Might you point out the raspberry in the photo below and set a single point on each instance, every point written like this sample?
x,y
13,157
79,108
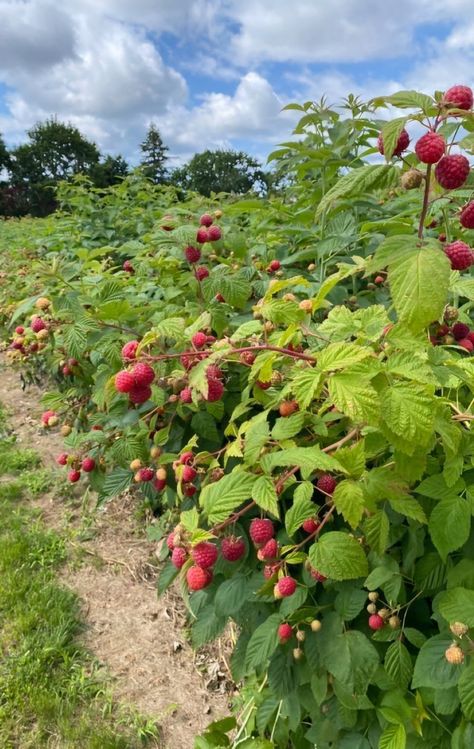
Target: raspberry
x,y
189,474
186,395
430,147
206,219
269,550
189,360
124,381
159,484
73,476
261,530
143,374
315,625
199,339
201,272
37,324
214,233
202,236
146,474
46,416
466,217
170,541
285,587
140,394
198,578
128,267
411,179
466,344
460,330
459,629
167,227
402,143
274,266
192,254
189,490
442,237
269,570
186,457
376,622
459,97
316,575
454,655
452,171
19,330
178,557
204,554
61,460
129,350
88,464
213,372
470,336
288,407
460,255
326,483
310,526
66,370
232,548
219,298
215,390
247,357
285,632
263,385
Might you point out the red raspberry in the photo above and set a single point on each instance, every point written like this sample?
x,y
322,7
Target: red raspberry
x,y
143,374
215,390
206,219
202,236
199,339
460,330
124,381
192,254
201,272
219,298
62,459
37,324
19,330
198,578
189,474
466,217
247,357
189,490
269,550
186,395
129,350
214,233
232,548
263,385
46,416
430,147
73,476
310,526
140,394
470,336
189,360
466,344
213,372
459,97
187,457
326,483
128,267
205,554
269,570
178,556
442,237
66,370
376,622
274,266
170,541
88,464
261,530
318,576
460,255
285,632
452,171
402,143
285,587
159,484
146,474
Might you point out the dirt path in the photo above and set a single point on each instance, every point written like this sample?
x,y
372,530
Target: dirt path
x,y
137,636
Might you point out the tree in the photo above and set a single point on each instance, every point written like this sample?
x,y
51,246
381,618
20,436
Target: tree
x,y
221,171
154,156
4,155
109,171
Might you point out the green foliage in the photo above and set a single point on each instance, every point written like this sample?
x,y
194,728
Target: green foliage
x,y
220,171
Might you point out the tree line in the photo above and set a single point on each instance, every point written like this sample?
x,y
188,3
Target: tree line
x,y
57,151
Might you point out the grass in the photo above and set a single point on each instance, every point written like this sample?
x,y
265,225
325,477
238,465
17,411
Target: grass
x,y
52,693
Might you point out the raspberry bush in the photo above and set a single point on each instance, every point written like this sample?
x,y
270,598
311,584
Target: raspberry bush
x,y
287,382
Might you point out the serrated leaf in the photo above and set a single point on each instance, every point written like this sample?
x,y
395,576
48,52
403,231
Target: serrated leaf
x,y
354,397
301,510
410,100
303,491
223,497
450,524
466,692
408,412
353,459
457,605
341,355
338,556
289,426
431,667
358,181
262,643
231,595
398,664
409,507
166,577
349,500
265,496
116,482
394,736
309,459
377,529
390,134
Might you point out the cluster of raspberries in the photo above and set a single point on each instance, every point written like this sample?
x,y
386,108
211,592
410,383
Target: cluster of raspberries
x,y
459,334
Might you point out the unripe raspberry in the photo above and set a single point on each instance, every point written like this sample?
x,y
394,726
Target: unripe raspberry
x,y
316,625
129,350
451,313
306,305
465,343
452,171
384,613
140,394
206,220
411,179
178,557
269,550
215,390
310,526
326,483
318,576
143,374
198,578
460,255
459,629
146,474
288,407
285,632
214,233
402,143
202,236
170,541
371,608
46,416
192,254
459,97
373,596
189,474
376,622
298,654
454,655
62,459
160,474
186,395
201,272
218,214
466,217
37,324
285,587
155,452
274,266
88,464
199,339
135,464
73,476
205,554
261,530
301,635
42,335
124,381
187,457
232,548
430,148
394,622
167,226
460,330
128,267
53,421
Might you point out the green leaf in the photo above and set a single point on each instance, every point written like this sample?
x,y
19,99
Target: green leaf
x,y
394,736
265,496
390,134
450,524
341,355
354,396
288,426
435,487
351,658
116,482
301,510
166,577
338,556
223,497
377,530
398,664
305,490
207,626
262,643
350,602
408,413
352,459
349,500
359,181
309,459
466,692
457,605
431,667
231,595
408,507
411,100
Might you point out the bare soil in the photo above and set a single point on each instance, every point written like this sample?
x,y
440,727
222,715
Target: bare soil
x,y
139,638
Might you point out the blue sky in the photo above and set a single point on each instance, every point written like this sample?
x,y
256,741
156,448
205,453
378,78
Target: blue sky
x,y
216,73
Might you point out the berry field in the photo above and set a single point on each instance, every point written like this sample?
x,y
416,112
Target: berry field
x,y
279,390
